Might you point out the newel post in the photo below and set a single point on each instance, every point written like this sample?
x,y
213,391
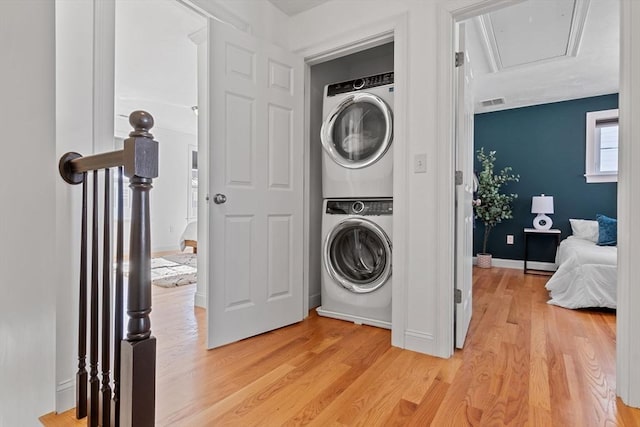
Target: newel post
x,y
138,369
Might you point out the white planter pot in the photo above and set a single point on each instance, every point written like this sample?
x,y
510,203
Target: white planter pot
x,y
483,260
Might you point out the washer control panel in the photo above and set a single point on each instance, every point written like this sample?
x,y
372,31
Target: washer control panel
x,y
360,84
360,207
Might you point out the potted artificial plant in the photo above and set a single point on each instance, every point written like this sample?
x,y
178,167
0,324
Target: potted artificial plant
x,y
492,206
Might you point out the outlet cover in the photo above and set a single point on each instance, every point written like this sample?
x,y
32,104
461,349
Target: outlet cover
x,y
420,163
509,239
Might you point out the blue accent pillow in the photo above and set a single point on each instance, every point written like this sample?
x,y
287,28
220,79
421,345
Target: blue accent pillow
x,y
607,230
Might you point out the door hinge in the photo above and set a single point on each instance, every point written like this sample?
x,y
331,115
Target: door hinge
x,y
459,59
457,296
459,177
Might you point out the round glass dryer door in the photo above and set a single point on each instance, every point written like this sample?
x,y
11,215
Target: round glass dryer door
x,y
358,131
357,255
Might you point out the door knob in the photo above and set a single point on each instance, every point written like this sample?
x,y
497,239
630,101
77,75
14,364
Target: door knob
x,y
219,199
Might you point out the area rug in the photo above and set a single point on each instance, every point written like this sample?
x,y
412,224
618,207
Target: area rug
x,y
174,270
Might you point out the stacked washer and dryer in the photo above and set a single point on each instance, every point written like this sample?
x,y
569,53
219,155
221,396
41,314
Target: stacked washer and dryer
x,y
357,188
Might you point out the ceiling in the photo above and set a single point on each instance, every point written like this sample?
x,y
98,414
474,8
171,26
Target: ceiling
x,y
539,51
293,7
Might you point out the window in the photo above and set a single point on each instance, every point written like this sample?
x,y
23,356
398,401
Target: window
x,y
192,202
602,146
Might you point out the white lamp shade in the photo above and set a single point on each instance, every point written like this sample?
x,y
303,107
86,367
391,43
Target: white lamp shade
x,y
542,204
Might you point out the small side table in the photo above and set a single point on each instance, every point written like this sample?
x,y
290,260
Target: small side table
x,y
534,231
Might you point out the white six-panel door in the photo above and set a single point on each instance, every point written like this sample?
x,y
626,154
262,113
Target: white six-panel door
x,y
464,194
256,163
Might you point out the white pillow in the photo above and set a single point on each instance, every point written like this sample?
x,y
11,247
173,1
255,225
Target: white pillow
x,y
585,229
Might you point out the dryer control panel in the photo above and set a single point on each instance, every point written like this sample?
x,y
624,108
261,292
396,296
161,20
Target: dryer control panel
x,y
360,207
360,84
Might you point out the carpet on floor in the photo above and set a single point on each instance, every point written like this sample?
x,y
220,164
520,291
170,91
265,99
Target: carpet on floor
x,y
173,270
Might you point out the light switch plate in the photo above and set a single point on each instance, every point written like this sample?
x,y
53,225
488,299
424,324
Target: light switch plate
x,y
420,163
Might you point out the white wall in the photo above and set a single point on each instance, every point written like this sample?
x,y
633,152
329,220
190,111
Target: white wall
x,y
74,132
170,189
27,188
168,197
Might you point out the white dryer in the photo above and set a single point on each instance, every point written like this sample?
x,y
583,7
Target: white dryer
x,y
356,261
356,134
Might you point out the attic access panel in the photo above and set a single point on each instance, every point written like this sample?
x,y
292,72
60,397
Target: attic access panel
x,y
534,31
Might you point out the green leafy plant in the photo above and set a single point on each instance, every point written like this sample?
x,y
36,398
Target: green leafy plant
x,y
492,206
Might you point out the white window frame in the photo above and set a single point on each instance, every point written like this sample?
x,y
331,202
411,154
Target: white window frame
x,y
192,212
592,158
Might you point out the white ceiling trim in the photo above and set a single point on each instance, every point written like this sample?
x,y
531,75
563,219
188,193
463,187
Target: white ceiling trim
x,y
492,50
580,11
215,9
489,42
294,7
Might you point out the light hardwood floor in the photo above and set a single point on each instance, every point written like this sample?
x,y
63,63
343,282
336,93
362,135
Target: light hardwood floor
x,y
524,363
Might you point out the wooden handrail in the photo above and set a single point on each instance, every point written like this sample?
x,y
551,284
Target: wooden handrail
x,y
134,356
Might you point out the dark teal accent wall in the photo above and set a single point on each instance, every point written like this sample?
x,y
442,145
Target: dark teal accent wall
x,y
545,144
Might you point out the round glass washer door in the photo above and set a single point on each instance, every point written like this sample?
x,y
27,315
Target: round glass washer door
x,y
358,131
357,255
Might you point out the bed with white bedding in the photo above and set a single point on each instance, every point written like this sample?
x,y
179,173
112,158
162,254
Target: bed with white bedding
x,y
190,237
586,276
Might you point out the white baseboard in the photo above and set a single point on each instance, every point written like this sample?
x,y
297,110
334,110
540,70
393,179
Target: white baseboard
x,y
358,320
314,301
519,264
200,300
421,342
172,248
65,395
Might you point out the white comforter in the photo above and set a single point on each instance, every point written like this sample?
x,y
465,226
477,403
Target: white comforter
x,y
586,276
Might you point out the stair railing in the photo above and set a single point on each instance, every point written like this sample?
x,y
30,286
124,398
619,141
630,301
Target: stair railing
x,y
131,400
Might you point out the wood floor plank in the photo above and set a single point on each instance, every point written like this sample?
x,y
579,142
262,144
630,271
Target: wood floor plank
x,y
596,393
525,362
360,360
357,395
385,393
401,414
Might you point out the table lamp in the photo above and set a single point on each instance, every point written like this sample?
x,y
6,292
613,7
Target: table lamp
x,y
542,205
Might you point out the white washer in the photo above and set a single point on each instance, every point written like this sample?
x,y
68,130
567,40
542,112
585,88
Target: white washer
x,y
356,261
356,134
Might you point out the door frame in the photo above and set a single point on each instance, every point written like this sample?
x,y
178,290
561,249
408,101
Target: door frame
x,y
627,372
393,30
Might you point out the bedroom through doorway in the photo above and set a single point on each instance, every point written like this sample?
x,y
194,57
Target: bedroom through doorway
x,y
531,109
167,88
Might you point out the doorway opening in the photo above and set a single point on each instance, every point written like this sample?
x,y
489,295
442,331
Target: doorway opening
x,y
366,62
162,80
533,115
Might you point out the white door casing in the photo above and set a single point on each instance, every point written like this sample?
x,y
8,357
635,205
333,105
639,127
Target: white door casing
x,y
256,162
464,193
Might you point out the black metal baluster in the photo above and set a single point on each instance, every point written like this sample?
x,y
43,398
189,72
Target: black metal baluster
x,y
118,332
94,382
81,375
105,410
